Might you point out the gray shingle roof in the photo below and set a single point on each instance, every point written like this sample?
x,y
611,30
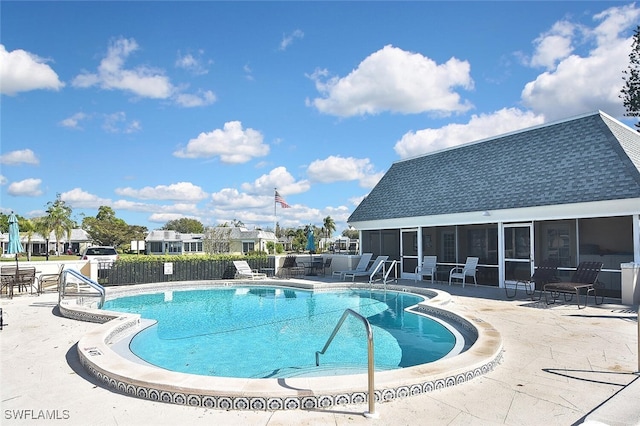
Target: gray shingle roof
x,y
589,158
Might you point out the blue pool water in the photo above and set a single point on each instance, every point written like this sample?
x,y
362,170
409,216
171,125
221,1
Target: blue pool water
x,y
260,332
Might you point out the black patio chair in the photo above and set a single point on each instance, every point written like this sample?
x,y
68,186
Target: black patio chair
x,y
545,273
290,268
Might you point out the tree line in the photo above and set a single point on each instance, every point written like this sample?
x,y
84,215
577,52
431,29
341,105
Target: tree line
x,y
106,229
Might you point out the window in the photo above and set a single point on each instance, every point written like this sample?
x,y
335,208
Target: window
x,y
482,242
193,247
557,241
174,247
447,252
155,247
247,246
610,241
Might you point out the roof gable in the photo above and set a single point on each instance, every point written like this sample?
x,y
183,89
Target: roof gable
x,y
589,158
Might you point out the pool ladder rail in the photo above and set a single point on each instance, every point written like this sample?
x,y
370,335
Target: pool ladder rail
x,y
74,284
385,272
393,267
370,357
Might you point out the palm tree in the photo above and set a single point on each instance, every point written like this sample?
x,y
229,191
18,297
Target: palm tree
x,y
329,226
41,226
28,227
59,219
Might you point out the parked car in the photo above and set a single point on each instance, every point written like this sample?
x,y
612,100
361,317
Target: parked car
x,y
103,255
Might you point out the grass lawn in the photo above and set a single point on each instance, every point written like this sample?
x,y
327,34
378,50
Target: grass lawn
x,y
23,258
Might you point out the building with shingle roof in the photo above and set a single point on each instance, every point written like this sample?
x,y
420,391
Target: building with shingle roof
x,y
570,189
36,244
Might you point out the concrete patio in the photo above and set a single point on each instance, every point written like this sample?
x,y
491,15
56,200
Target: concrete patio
x,y
561,366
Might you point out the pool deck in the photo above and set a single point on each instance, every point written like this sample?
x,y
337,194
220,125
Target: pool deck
x,y
560,366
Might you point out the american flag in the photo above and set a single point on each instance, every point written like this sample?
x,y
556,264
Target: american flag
x,y
282,202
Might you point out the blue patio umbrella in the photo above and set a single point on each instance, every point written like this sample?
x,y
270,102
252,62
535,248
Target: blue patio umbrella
x,y
15,246
311,245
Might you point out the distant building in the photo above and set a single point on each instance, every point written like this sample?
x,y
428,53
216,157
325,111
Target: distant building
x,y
342,245
230,240
287,243
37,245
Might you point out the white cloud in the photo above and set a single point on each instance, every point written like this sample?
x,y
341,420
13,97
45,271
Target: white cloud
x,y
79,198
181,191
335,169
233,144
355,201
73,122
194,64
479,127
580,84
394,80
3,180
248,72
21,71
250,218
181,208
339,214
165,217
277,178
141,81
25,188
190,100
554,45
134,206
232,198
133,127
117,123
22,156
369,181
163,214
288,39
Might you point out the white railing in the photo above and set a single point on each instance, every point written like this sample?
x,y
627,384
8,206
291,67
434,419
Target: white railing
x,y
76,285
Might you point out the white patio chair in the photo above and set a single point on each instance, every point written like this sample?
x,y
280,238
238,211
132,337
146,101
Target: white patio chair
x,y
427,268
468,270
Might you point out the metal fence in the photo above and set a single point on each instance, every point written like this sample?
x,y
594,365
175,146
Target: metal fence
x,y
125,273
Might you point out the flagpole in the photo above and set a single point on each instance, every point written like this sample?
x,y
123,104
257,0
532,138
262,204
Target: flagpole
x,y
275,216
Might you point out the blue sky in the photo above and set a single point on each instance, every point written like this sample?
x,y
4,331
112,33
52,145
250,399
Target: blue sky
x,y
164,110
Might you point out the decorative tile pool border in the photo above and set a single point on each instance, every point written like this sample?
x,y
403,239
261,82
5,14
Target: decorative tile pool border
x,y
129,378
310,402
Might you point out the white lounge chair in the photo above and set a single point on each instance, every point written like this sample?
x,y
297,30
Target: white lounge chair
x,y
245,271
468,270
427,268
361,266
376,267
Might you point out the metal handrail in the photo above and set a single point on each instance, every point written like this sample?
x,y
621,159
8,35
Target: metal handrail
x,y
394,267
85,280
370,358
375,271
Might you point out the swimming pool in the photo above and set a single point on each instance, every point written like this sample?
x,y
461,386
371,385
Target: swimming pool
x,y
263,332
100,352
